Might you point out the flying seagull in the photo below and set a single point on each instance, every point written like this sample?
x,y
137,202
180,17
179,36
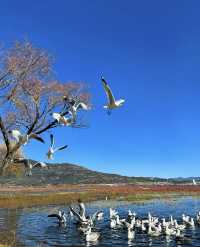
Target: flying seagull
x,y
52,150
112,103
75,106
29,166
16,134
39,164
62,120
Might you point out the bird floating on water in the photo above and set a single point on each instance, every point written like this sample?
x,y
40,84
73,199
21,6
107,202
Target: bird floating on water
x,y
194,182
84,221
152,226
91,236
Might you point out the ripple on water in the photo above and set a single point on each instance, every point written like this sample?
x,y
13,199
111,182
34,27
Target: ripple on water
x,y
34,228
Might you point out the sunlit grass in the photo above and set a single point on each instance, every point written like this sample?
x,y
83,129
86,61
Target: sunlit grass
x,y
30,196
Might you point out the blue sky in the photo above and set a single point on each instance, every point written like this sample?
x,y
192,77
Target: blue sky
x,y
149,52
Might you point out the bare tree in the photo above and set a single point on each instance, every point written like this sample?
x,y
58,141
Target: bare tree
x,y
29,94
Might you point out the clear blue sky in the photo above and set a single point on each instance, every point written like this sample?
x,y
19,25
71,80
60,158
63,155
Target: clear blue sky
x,y
149,51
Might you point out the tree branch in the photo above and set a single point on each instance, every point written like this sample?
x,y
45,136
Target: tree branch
x,y
51,125
35,121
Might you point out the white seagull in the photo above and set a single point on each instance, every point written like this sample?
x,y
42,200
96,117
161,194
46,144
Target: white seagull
x,y
81,218
29,166
81,209
91,236
16,134
62,119
75,106
194,182
112,103
52,150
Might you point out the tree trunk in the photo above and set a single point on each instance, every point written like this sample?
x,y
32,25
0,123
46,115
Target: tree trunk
x,y
8,159
5,163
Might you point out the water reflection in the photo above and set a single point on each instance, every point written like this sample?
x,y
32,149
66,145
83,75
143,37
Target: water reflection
x,y
8,227
32,227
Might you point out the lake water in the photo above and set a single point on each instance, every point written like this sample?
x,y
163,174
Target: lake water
x,y
32,227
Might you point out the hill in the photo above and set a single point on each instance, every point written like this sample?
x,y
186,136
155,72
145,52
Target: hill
x,y
66,173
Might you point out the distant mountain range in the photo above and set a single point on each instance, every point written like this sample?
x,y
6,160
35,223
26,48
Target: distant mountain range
x,y
66,173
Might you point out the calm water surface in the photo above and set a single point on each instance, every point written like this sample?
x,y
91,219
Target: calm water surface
x,y
32,227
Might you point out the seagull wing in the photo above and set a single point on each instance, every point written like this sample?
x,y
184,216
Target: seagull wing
x,y
76,214
83,106
35,136
95,215
108,91
72,111
52,140
55,216
60,148
82,209
100,213
40,164
24,161
127,224
16,134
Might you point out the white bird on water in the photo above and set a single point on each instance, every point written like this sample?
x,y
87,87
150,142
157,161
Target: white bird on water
x,y
194,182
81,209
91,236
52,150
112,103
16,134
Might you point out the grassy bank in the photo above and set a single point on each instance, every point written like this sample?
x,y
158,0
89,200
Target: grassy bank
x,y
27,197
21,200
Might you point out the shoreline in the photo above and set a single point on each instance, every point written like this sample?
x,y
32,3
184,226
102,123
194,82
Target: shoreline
x,y
21,196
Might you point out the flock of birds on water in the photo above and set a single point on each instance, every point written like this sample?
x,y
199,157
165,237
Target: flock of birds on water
x,y
132,224
75,106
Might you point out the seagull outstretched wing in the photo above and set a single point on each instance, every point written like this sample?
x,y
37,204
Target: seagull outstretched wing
x,y
40,165
82,105
72,112
24,161
55,216
108,91
76,214
52,140
60,148
36,137
82,209
95,215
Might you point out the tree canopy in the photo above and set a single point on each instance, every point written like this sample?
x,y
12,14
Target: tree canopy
x,y
30,93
